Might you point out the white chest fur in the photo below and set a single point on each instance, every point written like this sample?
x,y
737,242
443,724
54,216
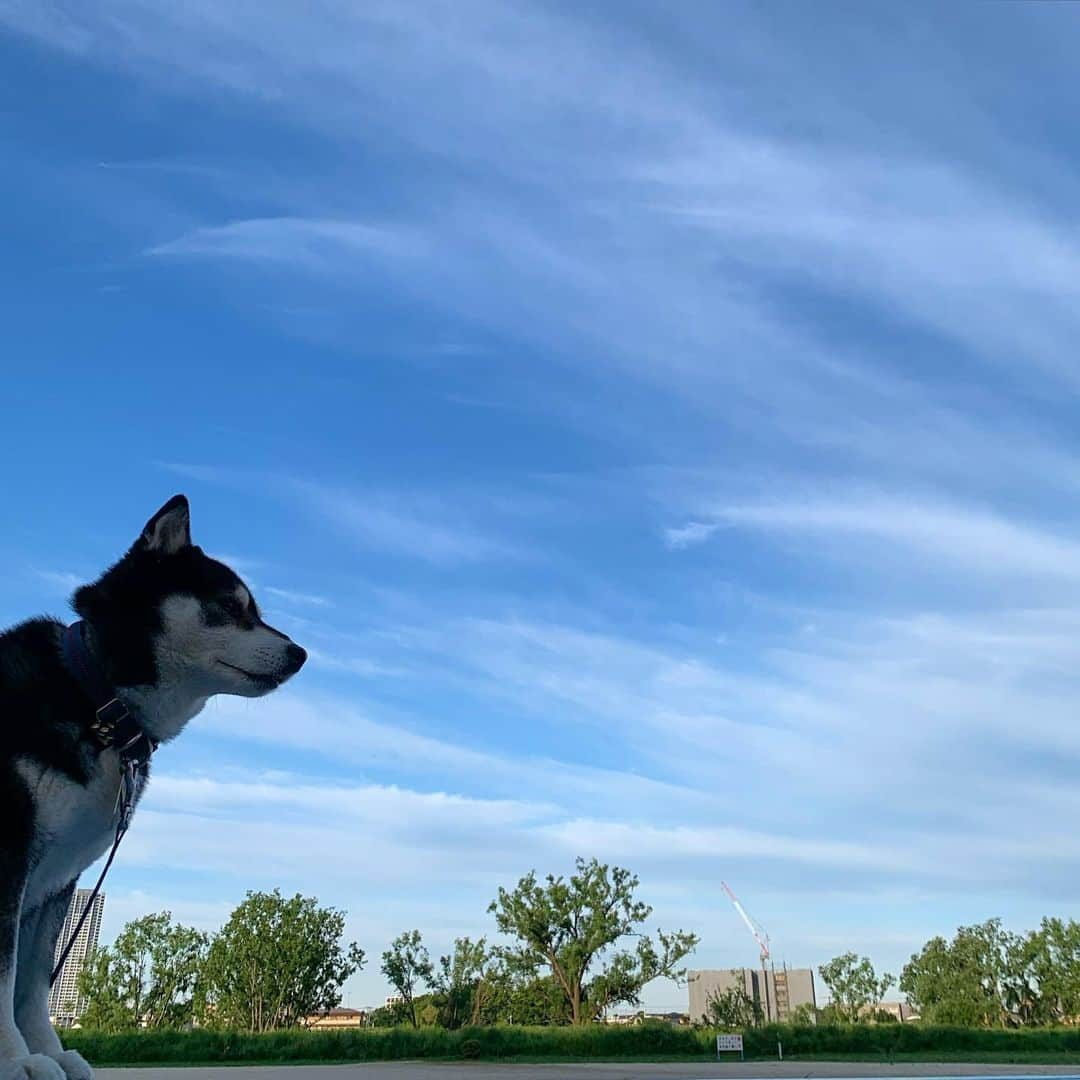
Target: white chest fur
x,y
73,824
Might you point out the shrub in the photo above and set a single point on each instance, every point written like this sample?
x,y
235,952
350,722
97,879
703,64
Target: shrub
x,y
593,1042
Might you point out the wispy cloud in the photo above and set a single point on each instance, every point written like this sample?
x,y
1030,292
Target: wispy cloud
x,y
61,581
458,527
972,540
291,596
296,242
412,527
353,665
681,187
693,532
945,249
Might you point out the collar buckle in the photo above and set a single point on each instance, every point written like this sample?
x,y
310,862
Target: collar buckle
x,y
105,720
113,725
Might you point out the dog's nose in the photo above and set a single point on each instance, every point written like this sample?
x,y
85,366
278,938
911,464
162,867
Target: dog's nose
x,y
295,657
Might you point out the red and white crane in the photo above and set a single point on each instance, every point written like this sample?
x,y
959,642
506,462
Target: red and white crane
x,y
755,928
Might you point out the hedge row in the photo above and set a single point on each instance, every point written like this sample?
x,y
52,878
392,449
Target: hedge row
x,y
596,1042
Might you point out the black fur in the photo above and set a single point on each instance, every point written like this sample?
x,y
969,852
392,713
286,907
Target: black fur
x,y
52,727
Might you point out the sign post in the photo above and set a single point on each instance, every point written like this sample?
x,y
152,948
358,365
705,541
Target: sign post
x,y
729,1044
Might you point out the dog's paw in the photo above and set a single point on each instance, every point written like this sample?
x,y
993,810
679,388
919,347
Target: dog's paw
x,y
32,1067
75,1066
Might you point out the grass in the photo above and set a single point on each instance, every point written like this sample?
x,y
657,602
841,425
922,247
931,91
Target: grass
x,y
647,1042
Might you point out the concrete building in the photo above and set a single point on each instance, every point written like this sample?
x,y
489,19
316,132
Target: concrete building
x,y
778,993
65,1004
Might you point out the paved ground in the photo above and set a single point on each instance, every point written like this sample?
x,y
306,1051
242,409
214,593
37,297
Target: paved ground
x,y
818,1070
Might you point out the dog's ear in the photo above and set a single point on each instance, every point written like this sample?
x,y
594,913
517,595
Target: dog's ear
x,y
169,530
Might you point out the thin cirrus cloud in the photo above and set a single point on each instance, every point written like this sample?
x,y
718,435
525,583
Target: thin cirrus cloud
x,y
298,242
412,525
975,540
699,186
293,597
61,581
419,526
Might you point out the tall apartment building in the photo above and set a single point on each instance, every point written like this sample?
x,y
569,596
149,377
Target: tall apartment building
x,y
65,1004
778,992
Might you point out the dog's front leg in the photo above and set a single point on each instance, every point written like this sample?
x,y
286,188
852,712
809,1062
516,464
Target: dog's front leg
x,y
37,945
16,831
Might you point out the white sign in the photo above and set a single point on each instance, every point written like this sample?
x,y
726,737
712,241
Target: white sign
x,y
729,1043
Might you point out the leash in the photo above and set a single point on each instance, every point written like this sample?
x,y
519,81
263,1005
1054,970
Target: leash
x,y
120,830
113,727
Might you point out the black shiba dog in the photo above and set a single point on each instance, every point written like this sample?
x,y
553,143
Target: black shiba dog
x,y
81,710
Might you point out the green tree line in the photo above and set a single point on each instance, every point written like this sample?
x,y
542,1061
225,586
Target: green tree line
x,y
574,946
984,977
987,976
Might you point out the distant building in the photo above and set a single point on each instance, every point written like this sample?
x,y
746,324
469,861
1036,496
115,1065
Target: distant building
x,y
899,1010
675,1019
777,993
65,1003
336,1019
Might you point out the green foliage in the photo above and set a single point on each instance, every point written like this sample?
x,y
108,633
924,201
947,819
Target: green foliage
x,y
147,977
590,1042
464,982
595,1042
406,964
1043,982
931,1042
853,986
568,926
389,1016
804,1014
733,1009
969,981
275,962
987,977
534,1002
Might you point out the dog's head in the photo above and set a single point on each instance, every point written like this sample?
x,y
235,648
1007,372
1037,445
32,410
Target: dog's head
x,y
169,618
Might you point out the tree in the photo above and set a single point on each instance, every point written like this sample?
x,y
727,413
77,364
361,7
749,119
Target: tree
x,y
532,1001
387,1016
971,981
733,1009
853,985
275,962
568,926
1041,983
510,993
406,964
146,978
462,983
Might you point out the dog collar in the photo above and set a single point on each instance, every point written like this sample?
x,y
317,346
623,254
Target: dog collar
x,y
113,725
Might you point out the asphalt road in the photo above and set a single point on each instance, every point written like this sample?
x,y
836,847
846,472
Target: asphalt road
x,y
403,1070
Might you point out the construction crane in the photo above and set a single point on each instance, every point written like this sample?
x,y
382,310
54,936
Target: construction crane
x,y
756,929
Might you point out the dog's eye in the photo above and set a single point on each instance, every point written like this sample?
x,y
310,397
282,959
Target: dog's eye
x,y
225,609
234,608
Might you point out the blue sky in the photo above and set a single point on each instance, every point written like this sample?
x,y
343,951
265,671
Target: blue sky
x,y
658,421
